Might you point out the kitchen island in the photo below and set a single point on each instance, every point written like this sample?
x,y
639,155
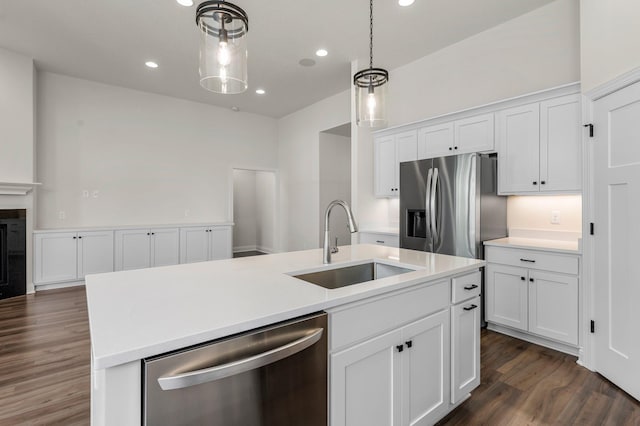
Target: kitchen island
x,y
142,313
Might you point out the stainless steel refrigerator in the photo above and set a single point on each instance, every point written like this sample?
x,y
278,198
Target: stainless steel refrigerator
x,y
450,205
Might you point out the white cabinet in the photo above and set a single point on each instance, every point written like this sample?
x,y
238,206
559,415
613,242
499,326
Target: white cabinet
x,y
202,243
143,248
389,152
539,147
540,298
400,377
69,256
472,134
371,237
465,348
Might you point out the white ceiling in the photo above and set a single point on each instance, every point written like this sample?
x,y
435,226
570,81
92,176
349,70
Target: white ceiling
x,y
109,41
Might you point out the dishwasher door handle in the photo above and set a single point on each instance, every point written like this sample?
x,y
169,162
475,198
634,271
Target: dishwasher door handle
x,y
192,378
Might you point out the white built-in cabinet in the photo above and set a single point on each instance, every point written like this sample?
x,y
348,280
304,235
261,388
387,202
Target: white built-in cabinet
x,y
412,365
202,243
69,256
379,238
389,152
472,134
144,248
539,147
534,292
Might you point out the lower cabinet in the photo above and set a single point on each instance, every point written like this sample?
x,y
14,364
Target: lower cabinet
x,y
372,237
69,256
202,243
144,248
540,299
465,348
400,377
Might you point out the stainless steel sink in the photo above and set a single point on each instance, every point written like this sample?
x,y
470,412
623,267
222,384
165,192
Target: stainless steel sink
x,y
349,275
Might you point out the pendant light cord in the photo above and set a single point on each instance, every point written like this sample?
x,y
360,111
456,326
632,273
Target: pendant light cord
x,y
370,34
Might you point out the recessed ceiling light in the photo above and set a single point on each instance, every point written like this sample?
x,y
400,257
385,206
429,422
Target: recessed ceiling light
x,y
235,109
321,52
260,91
151,64
405,2
186,3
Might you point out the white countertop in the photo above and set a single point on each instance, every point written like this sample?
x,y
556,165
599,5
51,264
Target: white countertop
x,y
136,314
557,246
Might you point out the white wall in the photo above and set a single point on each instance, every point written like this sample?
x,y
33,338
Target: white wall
x,y
535,51
610,39
266,197
16,117
153,159
335,184
244,210
534,212
298,162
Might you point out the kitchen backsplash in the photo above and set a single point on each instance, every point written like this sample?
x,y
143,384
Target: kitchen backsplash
x,y
549,214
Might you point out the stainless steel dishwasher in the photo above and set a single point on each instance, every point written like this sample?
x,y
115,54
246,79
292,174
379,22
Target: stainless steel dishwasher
x,y
276,375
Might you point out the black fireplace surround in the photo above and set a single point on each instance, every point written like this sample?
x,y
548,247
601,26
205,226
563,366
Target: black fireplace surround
x,y
13,253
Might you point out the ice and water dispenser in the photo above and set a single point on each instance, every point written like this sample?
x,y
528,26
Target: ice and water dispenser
x,y
416,224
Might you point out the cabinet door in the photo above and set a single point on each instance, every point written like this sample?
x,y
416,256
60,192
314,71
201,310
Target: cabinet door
x,y
221,243
133,249
474,134
425,370
553,306
407,146
365,383
385,167
95,252
506,295
435,141
165,247
519,149
55,257
194,244
561,144
465,348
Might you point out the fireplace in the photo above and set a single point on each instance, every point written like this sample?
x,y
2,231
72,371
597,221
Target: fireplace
x,y
13,253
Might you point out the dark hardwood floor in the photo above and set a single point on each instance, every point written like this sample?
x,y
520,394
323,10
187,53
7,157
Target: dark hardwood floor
x,y
44,374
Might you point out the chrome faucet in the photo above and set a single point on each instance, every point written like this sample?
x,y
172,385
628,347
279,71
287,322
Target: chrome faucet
x,y
326,250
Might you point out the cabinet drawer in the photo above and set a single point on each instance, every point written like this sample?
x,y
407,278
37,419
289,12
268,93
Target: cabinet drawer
x,y
380,239
554,262
465,287
360,321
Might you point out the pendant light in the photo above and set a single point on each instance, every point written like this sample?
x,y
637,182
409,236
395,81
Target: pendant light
x,y
223,46
371,89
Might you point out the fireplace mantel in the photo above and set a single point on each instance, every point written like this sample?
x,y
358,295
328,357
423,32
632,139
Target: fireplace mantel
x,y
17,188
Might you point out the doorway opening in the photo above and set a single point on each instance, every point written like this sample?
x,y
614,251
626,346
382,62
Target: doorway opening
x,y
254,212
335,181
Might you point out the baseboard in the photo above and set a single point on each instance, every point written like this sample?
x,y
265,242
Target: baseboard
x,y
240,249
44,287
547,343
268,250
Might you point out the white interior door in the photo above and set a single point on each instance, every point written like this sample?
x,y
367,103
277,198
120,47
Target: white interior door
x,y
617,237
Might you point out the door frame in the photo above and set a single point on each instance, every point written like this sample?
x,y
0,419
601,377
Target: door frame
x,y
588,301
276,232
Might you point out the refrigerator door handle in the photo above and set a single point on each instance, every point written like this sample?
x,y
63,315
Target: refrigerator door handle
x,y
428,203
432,206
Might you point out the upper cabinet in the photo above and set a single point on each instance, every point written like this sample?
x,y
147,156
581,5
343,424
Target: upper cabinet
x,y
539,147
389,152
473,134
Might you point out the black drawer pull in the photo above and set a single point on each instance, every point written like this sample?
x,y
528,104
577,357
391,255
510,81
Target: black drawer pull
x,y
380,241
470,308
522,278
470,287
527,260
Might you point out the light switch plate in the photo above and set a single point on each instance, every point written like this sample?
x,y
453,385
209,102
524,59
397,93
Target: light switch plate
x,y
555,217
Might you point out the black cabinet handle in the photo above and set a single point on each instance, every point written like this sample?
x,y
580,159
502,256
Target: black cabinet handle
x,y
450,149
153,233
531,279
379,241
535,182
148,233
527,260
400,348
470,308
455,147
409,344
470,287
79,238
523,278
75,238
542,182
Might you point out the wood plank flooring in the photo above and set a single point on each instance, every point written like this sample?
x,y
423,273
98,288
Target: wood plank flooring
x,y
44,374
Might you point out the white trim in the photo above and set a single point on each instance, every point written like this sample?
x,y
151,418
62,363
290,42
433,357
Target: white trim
x,y
44,287
241,249
620,82
132,227
531,338
17,188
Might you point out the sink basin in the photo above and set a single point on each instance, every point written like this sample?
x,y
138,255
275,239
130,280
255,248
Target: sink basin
x,y
349,275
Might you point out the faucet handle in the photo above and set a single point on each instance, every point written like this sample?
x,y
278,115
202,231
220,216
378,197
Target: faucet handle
x,y
335,248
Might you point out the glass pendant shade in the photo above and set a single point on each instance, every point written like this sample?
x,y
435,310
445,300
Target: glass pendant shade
x,y
223,47
371,97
